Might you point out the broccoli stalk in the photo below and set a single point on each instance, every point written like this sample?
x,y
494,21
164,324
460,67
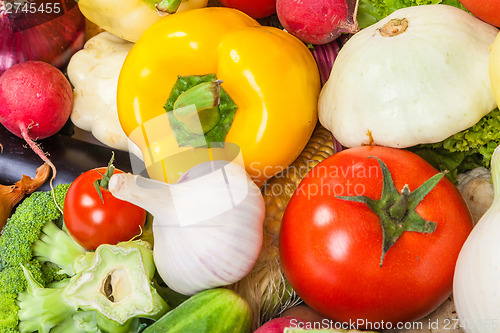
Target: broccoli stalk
x,y
111,292
18,235
58,247
50,283
117,283
41,308
80,322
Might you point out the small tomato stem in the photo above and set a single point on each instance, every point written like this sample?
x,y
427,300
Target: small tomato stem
x,y
399,208
104,181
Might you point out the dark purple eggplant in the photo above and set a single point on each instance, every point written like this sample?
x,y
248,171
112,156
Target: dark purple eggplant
x,y
70,156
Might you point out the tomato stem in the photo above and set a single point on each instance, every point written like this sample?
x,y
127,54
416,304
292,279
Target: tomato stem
x,y
104,181
399,208
397,211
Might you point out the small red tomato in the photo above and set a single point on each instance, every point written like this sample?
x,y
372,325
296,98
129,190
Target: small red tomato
x,y
486,10
372,235
93,221
254,8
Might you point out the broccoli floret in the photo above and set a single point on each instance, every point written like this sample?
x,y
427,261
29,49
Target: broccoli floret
x,y
13,280
17,238
52,273
8,313
23,228
50,283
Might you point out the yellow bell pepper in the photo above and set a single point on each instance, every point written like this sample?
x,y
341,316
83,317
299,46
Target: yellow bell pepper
x,y
270,75
128,19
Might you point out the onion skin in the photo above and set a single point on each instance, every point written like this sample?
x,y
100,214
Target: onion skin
x,y
34,37
325,55
11,195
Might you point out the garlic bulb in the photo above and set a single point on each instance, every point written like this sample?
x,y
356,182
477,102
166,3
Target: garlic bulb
x,y
476,285
419,75
476,188
207,227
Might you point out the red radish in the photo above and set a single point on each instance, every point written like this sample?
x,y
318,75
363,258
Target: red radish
x,y
303,312
278,325
36,100
318,21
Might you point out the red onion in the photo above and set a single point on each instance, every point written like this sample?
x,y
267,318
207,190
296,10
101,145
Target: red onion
x,y
29,32
325,55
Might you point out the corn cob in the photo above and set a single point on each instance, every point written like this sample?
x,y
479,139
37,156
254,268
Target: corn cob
x,y
265,287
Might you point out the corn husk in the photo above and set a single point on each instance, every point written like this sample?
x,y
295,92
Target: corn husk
x,y
265,287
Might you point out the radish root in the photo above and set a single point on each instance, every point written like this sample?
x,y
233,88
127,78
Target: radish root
x,y
36,148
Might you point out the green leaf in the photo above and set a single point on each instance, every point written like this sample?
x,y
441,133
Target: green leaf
x,y
372,11
464,150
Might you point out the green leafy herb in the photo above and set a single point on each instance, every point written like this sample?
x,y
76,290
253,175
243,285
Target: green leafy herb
x,y
464,150
372,11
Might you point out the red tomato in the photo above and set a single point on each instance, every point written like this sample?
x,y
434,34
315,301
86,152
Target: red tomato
x,y
92,222
254,8
486,10
331,248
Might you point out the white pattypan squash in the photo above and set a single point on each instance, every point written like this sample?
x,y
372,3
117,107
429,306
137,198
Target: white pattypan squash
x,y
94,71
418,76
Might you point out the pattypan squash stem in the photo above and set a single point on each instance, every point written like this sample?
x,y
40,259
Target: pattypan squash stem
x,y
397,211
394,27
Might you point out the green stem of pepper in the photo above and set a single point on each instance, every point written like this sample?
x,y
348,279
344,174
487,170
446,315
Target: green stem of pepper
x,y
187,131
197,108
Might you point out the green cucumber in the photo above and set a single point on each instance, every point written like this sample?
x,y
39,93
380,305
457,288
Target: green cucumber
x,y
215,310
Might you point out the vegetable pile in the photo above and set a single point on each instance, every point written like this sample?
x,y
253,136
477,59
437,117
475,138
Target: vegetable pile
x,y
296,166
